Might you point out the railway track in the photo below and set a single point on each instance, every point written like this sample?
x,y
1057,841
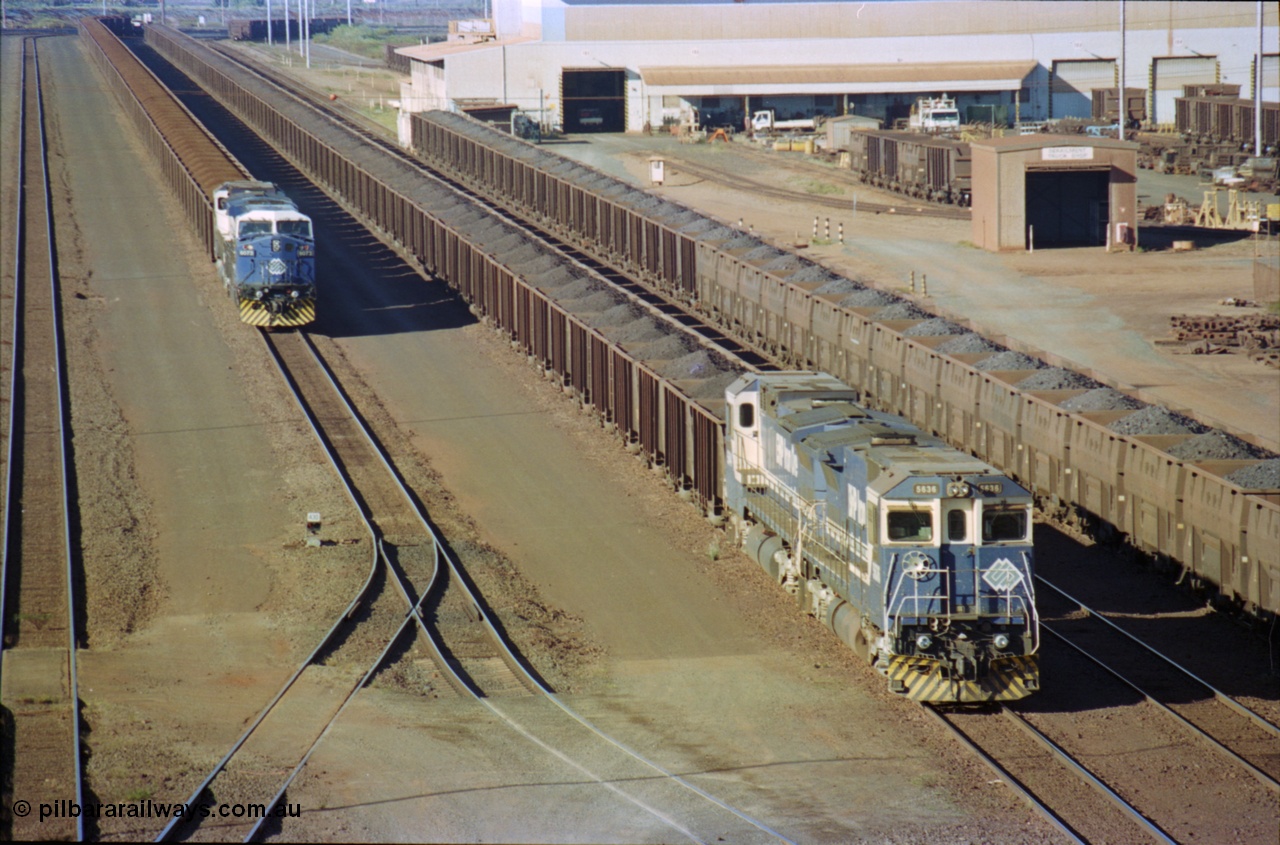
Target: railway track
x,y
1132,729
908,207
671,309
1088,815
454,627
1237,733
375,134
414,584
406,574
1081,806
38,576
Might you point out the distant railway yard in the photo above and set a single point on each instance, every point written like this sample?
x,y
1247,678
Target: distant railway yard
x,y
510,542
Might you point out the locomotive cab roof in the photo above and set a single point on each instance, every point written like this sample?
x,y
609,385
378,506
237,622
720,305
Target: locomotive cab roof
x,y
237,202
819,414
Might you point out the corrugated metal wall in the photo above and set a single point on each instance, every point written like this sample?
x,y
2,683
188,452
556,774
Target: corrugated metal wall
x,y
880,20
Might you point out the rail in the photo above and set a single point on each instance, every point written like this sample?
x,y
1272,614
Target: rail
x,y
1269,731
39,445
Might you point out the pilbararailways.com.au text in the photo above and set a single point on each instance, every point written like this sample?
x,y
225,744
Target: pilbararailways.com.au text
x,y
65,809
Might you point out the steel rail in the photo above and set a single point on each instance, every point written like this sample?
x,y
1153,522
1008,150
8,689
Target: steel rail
x,y
1088,776
509,656
1218,694
254,832
64,453
59,386
15,345
917,208
169,830
1007,777
375,133
1266,779
513,661
638,293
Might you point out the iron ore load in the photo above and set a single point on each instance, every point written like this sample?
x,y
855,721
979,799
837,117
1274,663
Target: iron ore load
x,y
917,555
266,254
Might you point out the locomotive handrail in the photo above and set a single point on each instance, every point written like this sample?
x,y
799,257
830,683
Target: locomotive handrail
x,y
898,600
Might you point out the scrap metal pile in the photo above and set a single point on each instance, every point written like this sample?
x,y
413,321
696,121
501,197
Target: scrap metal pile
x,y
1255,334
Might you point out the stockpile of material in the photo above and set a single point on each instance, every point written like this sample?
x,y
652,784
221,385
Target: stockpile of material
x,y
1101,399
1009,360
1155,419
1057,378
1215,445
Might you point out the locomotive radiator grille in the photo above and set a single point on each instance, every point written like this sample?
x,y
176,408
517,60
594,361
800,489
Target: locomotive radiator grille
x,y
922,679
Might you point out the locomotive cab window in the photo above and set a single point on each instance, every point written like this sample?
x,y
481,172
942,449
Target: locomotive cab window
x,y
1004,525
297,228
746,415
910,526
255,227
957,526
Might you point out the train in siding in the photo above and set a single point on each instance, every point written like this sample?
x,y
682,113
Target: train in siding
x,y
917,555
266,254
1221,531
262,245
1218,115
916,164
946,618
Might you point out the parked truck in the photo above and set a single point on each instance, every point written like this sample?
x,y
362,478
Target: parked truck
x,y
766,121
934,114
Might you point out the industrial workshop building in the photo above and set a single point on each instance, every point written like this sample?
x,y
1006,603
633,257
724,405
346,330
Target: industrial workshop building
x,y
1054,190
599,65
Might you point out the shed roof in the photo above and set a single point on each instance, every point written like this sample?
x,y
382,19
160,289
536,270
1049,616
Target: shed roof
x,y
958,76
1018,143
443,49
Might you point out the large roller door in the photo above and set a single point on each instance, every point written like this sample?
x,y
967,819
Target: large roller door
x,y
1071,91
1068,207
1170,74
595,99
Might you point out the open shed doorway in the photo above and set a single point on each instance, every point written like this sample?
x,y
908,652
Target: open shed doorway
x,y
1067,207
595,99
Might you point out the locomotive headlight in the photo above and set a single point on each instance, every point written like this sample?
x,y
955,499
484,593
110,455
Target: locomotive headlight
x,y
246,249
923,642
293,294
1001,641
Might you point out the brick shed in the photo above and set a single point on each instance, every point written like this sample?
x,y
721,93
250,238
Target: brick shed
x,y
1054,190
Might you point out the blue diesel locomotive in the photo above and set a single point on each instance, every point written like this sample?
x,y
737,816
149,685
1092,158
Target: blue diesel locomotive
x,y
917,555
266,254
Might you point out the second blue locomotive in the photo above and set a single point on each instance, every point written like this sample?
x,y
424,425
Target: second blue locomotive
x,y
266,254
917,555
